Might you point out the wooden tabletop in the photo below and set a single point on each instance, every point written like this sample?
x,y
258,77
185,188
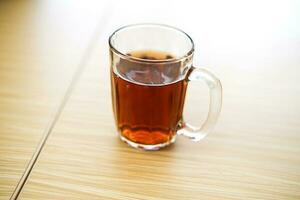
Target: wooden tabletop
x,y
57,133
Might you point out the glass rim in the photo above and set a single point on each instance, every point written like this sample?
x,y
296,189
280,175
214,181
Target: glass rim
x,y
132,58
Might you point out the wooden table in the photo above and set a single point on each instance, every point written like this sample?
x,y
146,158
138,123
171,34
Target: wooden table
x,y
57,135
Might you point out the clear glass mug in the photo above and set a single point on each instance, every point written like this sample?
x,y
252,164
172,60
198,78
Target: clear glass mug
x,y
151,66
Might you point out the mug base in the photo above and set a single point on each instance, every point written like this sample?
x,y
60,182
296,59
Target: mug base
x,y
146,147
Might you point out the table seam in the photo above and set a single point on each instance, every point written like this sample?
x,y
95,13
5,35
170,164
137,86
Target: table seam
x,y
61,104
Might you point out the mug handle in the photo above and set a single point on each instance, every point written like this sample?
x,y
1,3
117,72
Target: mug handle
x,y
215,90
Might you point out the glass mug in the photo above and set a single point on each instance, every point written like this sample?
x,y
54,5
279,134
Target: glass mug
x,y
151,66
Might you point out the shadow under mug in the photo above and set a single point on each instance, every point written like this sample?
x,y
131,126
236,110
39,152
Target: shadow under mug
x,y
148,93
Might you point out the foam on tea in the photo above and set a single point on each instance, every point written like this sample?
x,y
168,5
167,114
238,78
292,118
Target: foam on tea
x,y
151,55
153,73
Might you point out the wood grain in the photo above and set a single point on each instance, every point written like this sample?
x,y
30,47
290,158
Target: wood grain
x,y
253,152
40,47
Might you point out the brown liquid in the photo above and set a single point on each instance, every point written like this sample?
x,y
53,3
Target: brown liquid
x,y
148,109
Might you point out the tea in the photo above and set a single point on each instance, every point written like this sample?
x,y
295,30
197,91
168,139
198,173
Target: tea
x,y
148,97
